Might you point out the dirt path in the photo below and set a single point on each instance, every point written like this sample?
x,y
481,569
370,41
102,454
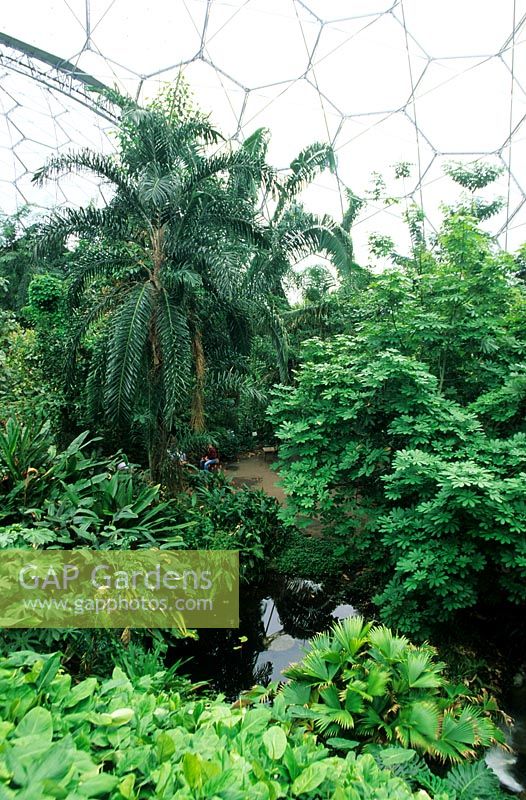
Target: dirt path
x,y
255,472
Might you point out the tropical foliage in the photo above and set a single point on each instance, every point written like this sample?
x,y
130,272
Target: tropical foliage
x,y
127,739
71,497
162,322
221,517
406,435
361,682
75,498
25,388
177,216
182,269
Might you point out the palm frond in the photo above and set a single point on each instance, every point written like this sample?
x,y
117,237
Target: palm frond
x,y
322,236
351,633
239,327
250,186
232,384
97,378
176,353
238,161
181,279
307,314
83,324
97,269
257,143
155,188
86,222
195,130
85,160
154,138
304,168
272,322
221,275
130,333
229,217
354,204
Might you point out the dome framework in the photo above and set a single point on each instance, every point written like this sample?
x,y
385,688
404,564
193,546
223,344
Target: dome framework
x,y
387,82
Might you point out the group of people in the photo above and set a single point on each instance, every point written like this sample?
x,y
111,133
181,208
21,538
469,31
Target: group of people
x,y
206,461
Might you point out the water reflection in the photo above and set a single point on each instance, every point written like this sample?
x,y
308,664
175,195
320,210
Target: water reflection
x,y
276,622
511,767
297,611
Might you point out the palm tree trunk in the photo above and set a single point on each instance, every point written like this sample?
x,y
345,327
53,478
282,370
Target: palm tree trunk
x,y
157,455
197,420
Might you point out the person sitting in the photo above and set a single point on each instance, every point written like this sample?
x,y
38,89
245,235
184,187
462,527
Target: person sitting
x,y
211,457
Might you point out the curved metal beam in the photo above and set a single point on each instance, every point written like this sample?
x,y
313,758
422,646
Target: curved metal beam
x,y
55,73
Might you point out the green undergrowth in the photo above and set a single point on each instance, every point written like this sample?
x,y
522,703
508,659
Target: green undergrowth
x,y
129,739
309,557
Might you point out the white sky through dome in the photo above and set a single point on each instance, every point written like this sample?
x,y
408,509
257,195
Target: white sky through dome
x,y
421,81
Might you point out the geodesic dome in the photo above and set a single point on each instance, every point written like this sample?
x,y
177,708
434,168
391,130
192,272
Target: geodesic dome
x,y
385,81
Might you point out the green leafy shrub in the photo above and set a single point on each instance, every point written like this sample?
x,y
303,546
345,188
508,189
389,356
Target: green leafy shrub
x,y
26,390
405,477
456,531
405,437
72,498
110,511
120,740
32,466
219,516
310,557
362,682
47,313
96,651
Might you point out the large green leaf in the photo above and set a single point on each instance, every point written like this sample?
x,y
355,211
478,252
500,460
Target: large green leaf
x,y
37,722
275,741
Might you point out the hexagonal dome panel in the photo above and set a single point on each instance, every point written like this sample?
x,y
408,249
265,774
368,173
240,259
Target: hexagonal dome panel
x,y
383,80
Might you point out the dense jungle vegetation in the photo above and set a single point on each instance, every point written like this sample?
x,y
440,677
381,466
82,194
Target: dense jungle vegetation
x,y
176,315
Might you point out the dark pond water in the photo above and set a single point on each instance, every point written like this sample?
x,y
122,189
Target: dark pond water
x,y
276,621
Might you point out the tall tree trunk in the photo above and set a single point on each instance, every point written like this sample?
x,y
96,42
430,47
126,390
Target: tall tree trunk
x,y
157,455
197,420
159,435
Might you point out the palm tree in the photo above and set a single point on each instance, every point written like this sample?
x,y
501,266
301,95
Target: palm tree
x,y
173,207
293,234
